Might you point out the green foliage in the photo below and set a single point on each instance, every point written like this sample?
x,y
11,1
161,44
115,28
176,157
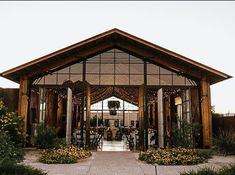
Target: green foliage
x,y
64,155
215,123
93,121
227,170
185,136
203,171
8,152
205,153
179,156
59,143
8,168
225,143
12,125
46,136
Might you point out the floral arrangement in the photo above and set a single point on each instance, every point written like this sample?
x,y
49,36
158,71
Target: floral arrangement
x,y
179,156
113,104
63,155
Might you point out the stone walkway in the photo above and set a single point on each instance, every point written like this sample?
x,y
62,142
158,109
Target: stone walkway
x,y
117,163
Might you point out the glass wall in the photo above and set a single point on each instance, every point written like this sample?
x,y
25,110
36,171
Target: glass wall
x,y
115,67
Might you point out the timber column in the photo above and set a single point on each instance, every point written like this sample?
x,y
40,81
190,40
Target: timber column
x,y
206,113
23,101
88,111
141,117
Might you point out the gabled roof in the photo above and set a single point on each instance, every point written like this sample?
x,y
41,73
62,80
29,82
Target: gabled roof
x,y
114,38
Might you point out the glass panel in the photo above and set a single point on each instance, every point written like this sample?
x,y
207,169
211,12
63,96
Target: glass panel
x,y
76,68
107,68
75,78
92,79
62,78
136,79
134,59
39,81
178,80
107,79
190,82
122,68
94,59
152,69
92,68
65,70
153,80
111,51
165,80
107,57
122,79
136,69
50,79
121,57
164,71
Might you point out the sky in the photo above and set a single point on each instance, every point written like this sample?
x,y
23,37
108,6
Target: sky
x,y
202,31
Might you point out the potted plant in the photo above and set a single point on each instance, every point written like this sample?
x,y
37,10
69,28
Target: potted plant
x,y
113,106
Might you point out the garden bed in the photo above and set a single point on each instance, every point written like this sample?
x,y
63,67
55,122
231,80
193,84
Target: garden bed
x,y
65,155
179,156
226,170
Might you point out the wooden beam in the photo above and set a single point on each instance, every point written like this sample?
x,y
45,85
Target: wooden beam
x,y
206,113
23,101
88,113
141,117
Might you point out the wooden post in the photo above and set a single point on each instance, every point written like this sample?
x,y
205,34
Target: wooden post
x,y
23,101
60,111
206,113
141,116
145,94
51,109
149,114
166,102
153,114
88,113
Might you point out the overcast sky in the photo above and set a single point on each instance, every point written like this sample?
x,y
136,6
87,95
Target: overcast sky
x,y
203,31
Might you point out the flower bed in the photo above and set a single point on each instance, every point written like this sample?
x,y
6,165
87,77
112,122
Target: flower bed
x,y
179,156
64,155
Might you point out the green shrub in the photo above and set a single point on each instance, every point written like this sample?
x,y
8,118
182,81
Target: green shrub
x,y
225,143
8,168
179,156
205,153
59,143
203,171
227,170
8,152
46,136
185,136
12,124
64,155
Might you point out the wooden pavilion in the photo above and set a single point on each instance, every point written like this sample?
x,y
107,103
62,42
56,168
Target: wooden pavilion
x,y
60,87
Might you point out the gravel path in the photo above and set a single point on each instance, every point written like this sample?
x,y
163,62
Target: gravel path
x,y
118,163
